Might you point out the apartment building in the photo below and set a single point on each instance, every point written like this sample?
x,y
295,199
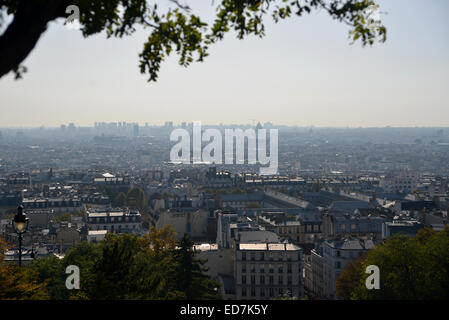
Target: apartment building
x,y
120,221
267,270
337,253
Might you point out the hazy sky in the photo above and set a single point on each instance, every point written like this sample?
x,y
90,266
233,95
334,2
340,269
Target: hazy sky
x,y
304,72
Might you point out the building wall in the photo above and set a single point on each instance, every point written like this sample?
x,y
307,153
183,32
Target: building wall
x,y
183,221
334,261
260,282
219,261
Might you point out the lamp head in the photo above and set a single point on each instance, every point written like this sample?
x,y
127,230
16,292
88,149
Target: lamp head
x,y
20,221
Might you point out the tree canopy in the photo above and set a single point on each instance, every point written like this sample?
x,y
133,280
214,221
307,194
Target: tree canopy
x,y
174,30
155,267
410,269
18,283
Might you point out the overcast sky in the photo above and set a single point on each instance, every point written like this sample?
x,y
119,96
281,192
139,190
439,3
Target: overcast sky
x,y
304,72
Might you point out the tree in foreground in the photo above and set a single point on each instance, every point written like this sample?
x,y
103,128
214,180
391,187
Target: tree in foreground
x,y
349,278
129,267
410,269
190,276
19,283
176,29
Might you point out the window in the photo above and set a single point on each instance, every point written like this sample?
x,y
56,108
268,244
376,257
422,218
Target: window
x,y
253,291
243,279
337,265
271,280
342,226
280,268
271,292
253,268
338,253
262,256
289,268
289,279
253,256
262,279
243,268
244,256
270,268
253,279
243,292
353,226
262,292
281,280
262,268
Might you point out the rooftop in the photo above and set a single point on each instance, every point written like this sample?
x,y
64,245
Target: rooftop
x,y
269,246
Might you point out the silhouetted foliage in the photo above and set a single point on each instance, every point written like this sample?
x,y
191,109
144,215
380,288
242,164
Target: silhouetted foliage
x,y
176,30
130,267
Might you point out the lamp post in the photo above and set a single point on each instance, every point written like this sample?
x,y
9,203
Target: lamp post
x,y
20,224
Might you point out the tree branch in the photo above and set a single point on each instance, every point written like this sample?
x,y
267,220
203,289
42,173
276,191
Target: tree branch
x,y
20,38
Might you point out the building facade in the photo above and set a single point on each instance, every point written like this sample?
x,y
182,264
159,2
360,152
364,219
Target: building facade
x,y
267,270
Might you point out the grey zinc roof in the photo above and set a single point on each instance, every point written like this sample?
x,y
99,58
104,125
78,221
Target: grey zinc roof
x,y
352,244
348,205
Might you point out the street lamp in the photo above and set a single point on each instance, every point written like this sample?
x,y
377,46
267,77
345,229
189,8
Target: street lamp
x,y
20,224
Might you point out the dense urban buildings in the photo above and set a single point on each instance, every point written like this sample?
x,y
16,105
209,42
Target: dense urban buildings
x,y
338,194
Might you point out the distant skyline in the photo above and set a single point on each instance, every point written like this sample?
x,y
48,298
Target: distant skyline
x,y
142,124
304,72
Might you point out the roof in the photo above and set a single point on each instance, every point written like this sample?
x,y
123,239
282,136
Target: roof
x,y
97,232
206,247
348,205
242,197
351,244
269,246
418,205
258,236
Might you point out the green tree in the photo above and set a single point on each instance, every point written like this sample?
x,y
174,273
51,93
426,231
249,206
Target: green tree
x,y
113,279
136,198
66,216
120,267
410,268
85,255
120,200
19,283
349,278
51,269
130,267
176,30
190,277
